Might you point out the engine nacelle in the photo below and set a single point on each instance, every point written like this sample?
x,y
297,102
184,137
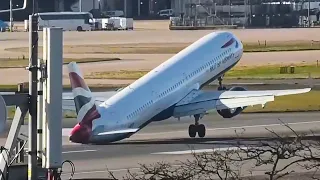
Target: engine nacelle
x,y
229,113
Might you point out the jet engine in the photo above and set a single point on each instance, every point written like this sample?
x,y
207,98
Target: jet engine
x,y
229,113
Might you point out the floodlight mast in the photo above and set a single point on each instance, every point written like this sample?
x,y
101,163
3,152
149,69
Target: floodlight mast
x,y
33,92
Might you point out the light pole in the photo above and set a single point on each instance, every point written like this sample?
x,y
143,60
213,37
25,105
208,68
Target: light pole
x,y
309,24
11,16
80,5
33,93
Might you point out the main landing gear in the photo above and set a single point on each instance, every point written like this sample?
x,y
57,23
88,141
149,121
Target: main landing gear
x,y
197,128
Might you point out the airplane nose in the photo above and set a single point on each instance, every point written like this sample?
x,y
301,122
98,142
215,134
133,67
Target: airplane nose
x,y
80,134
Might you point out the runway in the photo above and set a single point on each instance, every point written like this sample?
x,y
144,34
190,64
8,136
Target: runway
x,y
168,141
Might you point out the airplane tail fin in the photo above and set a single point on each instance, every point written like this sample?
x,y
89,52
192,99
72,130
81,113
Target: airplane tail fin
x,y
84,101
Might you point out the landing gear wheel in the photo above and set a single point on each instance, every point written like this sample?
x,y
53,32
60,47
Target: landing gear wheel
x,y
201,130
192,130
197,128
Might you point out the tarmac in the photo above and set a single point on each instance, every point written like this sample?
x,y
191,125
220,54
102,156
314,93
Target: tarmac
x,y
168,141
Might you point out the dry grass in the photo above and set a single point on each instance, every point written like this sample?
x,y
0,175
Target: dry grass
x,y
23,62
173,48
259,72
291,103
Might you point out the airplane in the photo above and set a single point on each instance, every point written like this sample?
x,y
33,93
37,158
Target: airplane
x,y
172,89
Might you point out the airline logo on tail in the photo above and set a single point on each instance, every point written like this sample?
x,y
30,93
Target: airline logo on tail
x,y
85,106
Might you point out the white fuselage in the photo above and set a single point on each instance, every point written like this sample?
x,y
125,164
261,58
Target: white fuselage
x,y
151,97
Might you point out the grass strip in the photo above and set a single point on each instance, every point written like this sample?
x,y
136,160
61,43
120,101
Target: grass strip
x,y
173,48
291,103
93,87
258,72
23,62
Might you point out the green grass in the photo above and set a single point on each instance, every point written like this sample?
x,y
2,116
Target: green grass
x,y
93,87
259,72
291,103
273,72
122,74
173,48
66,114
23,61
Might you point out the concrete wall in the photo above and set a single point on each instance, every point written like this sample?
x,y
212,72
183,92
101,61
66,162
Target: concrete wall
x,y
87,5
59,5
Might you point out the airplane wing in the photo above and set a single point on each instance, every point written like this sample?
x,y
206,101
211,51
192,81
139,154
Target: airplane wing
x,y
199,101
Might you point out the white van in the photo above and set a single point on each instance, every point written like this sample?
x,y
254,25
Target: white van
x,y
68,21
116,13
166,13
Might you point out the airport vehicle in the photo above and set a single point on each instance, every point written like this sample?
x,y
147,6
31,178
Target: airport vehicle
x,y
116,13
173,89
69,21
3,26
166,13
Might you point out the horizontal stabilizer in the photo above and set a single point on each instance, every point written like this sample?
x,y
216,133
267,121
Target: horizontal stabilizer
x,y
66,132
119,132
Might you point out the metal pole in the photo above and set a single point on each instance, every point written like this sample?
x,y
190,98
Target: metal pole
x,y
245,13
10,15
80,5
230,11
21,156
125,8
139,13
309,24
39,113
32,160
33,92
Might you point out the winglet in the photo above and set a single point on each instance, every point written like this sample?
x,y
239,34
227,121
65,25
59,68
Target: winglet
x,y
292,91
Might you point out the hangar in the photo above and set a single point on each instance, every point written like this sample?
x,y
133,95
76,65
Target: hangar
x,y
131,8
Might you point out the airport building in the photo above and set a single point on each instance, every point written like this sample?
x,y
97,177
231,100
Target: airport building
x,y
263,13
257,13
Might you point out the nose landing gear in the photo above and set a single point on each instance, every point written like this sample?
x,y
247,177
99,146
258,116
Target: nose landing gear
x,y
197,128
221,87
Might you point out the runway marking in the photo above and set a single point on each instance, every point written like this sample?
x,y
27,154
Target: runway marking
x,y
80,151
196,151
226,128
102,171
105,171
68,152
